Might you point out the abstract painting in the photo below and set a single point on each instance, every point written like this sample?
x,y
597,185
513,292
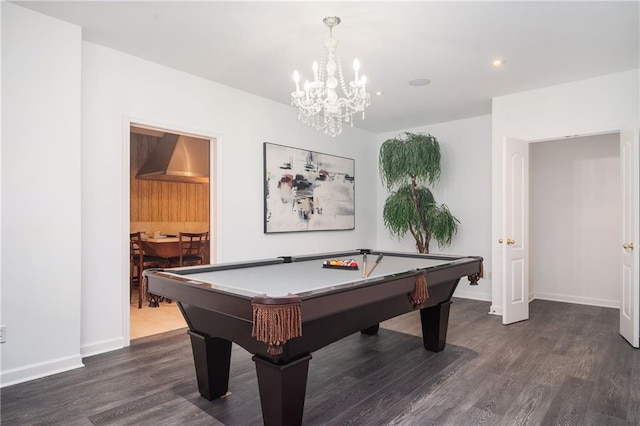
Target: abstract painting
x,y
307,190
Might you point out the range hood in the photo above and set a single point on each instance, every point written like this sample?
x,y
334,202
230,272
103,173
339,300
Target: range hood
x,y
178,158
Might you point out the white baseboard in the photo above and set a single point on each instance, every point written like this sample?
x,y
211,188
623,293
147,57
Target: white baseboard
x,y
101,347
566,298
495,310
42,369
553,297
466,294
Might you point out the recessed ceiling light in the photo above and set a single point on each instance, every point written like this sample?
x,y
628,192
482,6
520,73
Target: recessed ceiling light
x,y
419,82
498,62
379,93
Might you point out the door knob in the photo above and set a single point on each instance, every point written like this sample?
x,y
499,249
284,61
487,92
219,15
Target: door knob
x,y
628,246
510,241
500,241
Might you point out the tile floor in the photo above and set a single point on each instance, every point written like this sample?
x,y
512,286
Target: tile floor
x,y
148,321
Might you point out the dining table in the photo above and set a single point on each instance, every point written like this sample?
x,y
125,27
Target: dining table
x,y
164,246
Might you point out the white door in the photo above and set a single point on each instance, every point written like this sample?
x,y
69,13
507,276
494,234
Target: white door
x,y
630,298
515,239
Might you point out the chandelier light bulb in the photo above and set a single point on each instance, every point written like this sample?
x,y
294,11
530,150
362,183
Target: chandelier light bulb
x,y
356,68
296,78
329,101
307,86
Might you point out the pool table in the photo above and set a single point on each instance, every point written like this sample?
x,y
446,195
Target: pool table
x,y
283,309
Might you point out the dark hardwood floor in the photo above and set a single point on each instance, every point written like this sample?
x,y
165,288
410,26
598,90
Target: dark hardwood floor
x,y
567,365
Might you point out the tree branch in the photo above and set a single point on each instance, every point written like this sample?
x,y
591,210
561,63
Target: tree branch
x,y
418,237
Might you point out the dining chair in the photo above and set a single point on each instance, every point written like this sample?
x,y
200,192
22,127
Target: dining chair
x,y
140,262
193,249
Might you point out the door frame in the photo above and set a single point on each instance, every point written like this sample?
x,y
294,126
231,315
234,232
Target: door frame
x,y
215,200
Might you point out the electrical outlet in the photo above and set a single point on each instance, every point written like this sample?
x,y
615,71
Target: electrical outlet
x,y
3,333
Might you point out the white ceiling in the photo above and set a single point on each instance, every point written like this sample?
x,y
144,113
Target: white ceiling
x,y
255,46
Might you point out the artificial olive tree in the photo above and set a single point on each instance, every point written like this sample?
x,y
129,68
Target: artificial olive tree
x,y
407,164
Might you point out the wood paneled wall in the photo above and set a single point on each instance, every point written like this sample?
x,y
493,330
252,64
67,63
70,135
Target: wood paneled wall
x,y
156,201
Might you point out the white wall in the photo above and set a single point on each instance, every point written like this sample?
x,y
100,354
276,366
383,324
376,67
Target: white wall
x,y
115,87
464,186
70,302
576,206
40,194
598,105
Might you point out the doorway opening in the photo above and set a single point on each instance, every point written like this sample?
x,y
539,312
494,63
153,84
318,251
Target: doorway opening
x,y
513,258
575,209
172,183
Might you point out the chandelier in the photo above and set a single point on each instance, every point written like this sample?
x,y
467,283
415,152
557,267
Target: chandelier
x,y
319,104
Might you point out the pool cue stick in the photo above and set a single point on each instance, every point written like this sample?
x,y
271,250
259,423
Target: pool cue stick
x,y
364,265
380,256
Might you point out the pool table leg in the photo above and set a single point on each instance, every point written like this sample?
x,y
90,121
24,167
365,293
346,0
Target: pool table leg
x,y
282,389
212,357
435,321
